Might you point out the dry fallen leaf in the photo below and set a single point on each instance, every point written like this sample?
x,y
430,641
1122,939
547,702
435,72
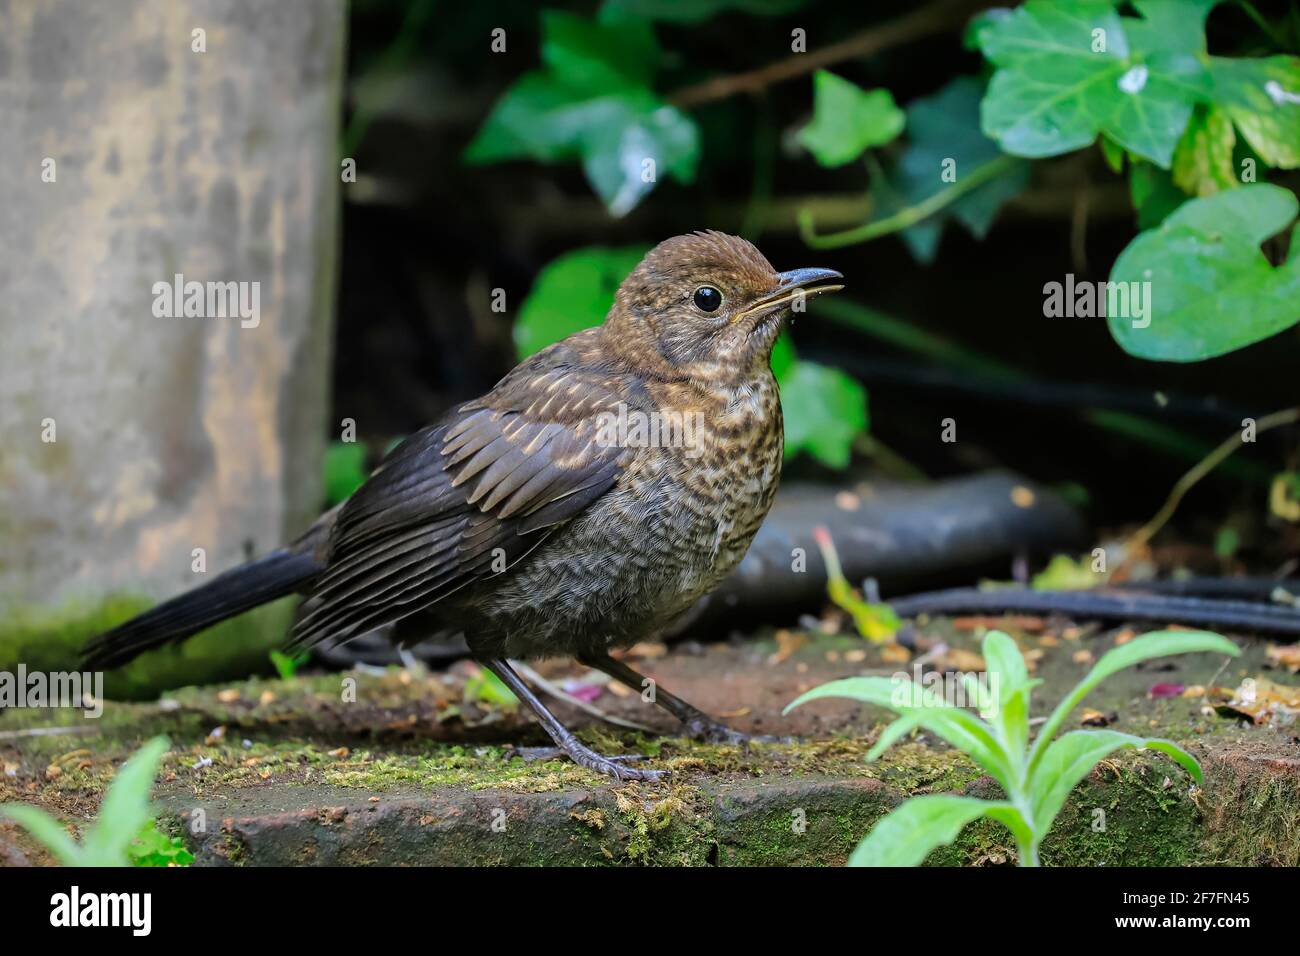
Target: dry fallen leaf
x,y
787,642
959,659
1287,656
895,654
1094,718
1263,701
341,754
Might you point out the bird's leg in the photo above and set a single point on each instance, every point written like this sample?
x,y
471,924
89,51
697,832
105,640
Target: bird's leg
x,y
564,739
698,724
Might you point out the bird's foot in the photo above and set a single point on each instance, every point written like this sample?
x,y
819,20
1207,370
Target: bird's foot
x,y
613,766
709,731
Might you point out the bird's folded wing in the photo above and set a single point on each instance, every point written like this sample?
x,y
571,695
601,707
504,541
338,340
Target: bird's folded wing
x,y
465,499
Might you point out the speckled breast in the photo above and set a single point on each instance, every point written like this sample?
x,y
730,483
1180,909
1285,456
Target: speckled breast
x,y
679,520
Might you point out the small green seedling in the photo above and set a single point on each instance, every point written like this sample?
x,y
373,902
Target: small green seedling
x,y
286,665
124,832
876,622
486,688
1036,778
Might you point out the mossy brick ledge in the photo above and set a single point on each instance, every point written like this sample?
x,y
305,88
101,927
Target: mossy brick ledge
x,y
1248,814
411,772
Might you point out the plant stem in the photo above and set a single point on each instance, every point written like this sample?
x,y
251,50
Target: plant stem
x,y
904,218
936,18
1288,416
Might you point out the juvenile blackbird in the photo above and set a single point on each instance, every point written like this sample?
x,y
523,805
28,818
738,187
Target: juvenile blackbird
x,y
594,494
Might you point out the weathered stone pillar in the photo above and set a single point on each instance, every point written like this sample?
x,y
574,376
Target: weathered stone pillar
x,y
141,140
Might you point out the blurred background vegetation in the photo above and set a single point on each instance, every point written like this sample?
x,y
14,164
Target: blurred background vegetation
x,y
502,147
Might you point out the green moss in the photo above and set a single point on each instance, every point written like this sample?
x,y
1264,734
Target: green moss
x,y
51,639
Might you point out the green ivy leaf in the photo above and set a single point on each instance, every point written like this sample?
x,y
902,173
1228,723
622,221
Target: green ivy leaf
x,y
593,102
825,409
572,293
1263,98
1068,70
943,133
1153,192
1212,289
345,470
624,156
610,53
847,120
1202,162
1113,153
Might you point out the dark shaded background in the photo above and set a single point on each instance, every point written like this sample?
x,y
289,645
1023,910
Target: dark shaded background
x,y
425,238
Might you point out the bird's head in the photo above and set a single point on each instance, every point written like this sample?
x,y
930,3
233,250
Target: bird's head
x,y
708,305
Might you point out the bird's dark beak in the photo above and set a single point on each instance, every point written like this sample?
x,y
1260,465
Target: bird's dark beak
x,y
809,279
795,284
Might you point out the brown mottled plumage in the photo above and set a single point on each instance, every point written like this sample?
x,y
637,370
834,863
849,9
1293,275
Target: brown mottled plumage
x,y
528,520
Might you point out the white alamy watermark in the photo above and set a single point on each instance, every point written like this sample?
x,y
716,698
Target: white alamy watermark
x,y
950,688
25,688
669,428
208,300
1098,300
133,911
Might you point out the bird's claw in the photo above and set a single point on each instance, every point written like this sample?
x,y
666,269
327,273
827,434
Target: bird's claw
x,y
613,766
711,732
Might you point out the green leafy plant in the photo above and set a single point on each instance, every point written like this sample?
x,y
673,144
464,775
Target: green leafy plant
x,y
1213,291
286,665
155,848
825,409
345,470
1036,777
848,120
486,688
876,622
123,833
594,102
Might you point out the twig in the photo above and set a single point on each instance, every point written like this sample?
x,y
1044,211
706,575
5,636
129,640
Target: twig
x,y
546,687
927,21
47,732
1288,416
904,218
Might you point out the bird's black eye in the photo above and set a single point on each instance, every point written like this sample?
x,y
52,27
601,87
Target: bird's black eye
x,y
708,299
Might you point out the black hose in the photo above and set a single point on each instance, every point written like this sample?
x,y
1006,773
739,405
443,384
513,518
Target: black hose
x,y
1230,615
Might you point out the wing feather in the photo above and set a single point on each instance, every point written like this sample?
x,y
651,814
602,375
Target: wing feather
x,y
494,479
